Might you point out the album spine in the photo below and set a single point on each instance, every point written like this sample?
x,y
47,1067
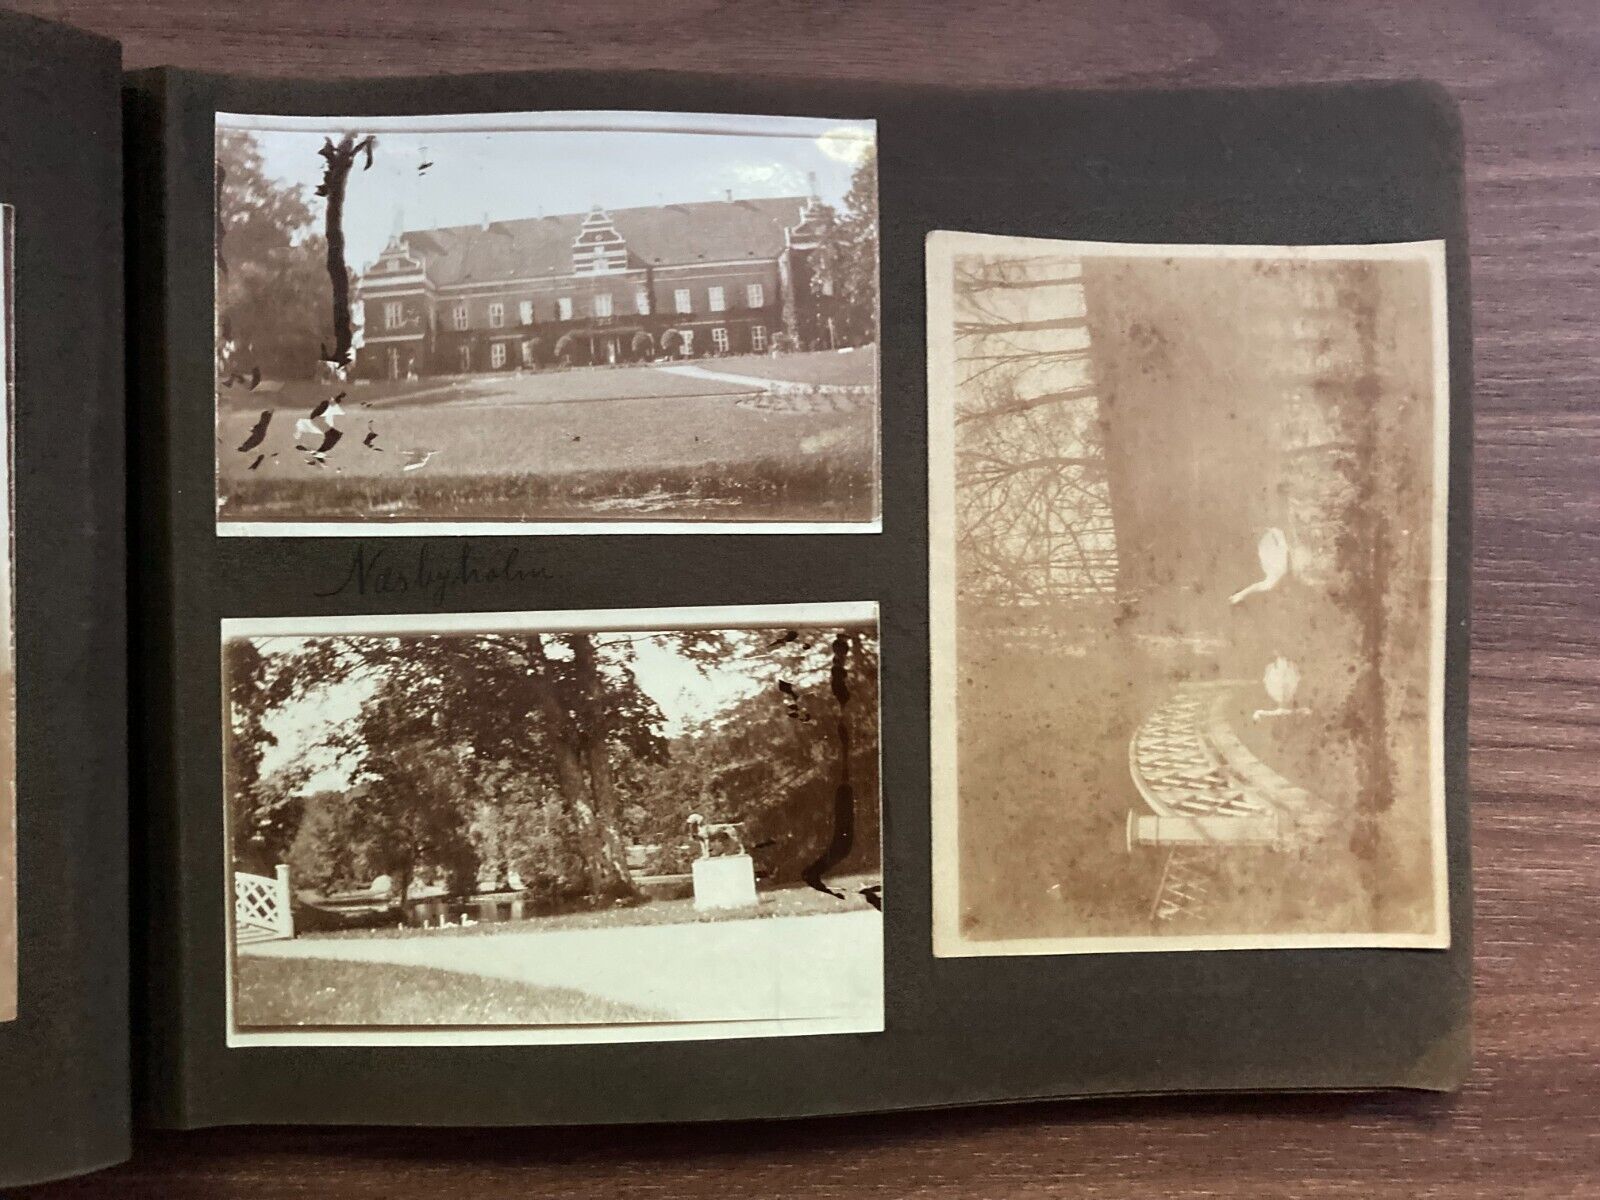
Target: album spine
x,y
157,893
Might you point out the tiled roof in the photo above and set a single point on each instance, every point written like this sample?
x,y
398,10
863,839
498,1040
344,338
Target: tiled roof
x,y
708,231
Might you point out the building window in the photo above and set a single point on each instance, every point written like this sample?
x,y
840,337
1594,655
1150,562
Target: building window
x,y
497,316
680,301
525,312
641,301
497,355
466,357
459,316
394,314
719,339
602,304
719,300
564,308
758,338
755,296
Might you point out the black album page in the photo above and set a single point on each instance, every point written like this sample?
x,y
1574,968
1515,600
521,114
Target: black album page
x,y
63,796
594,520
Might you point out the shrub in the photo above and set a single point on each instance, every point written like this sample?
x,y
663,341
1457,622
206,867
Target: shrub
x,y
644,346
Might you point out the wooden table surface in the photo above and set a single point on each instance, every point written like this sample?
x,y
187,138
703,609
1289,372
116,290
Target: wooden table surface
x,y
1527,73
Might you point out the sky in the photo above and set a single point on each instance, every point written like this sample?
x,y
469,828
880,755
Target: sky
x,y
519,170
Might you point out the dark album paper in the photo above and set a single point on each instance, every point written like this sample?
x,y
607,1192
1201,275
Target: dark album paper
x,y
1155,640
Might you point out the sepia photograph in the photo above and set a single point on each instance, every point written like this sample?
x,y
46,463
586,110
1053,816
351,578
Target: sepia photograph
x,y
1187,554
501,828
562,322
8,670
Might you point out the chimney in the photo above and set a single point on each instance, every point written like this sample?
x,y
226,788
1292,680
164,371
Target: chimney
x,y
811,179
729,194
485,225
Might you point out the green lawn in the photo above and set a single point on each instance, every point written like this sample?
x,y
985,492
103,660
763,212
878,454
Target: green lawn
x,y
825,368
277,992
794,901
854,368
511,448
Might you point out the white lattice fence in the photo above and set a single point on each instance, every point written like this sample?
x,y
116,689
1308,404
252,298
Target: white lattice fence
x,y
262,906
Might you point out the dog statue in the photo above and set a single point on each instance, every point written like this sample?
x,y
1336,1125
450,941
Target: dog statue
x,y
704,831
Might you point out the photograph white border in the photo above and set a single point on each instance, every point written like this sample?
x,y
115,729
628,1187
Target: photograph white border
x,y
942,246
640,620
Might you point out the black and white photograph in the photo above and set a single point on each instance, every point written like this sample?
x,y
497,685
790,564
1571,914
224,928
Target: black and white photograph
x,y
621,825
1187,523
8,671
566,322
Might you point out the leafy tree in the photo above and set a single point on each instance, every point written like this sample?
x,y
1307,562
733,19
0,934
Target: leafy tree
x,y
275,306
555,708
411,814
772,759
328,853
539,756
263,813
844,282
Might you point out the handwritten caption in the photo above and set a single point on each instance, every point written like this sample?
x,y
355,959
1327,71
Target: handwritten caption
x,y
384,571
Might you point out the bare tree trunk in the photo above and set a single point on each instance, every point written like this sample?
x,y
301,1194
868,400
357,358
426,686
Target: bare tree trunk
x,y
340,159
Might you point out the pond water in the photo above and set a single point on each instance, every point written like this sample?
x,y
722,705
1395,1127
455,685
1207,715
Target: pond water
x,y
480,910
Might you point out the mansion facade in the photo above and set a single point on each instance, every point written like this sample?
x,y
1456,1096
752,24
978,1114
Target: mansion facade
x,y
681,280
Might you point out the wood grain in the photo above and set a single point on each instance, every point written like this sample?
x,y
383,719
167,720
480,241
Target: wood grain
x,y
1527,73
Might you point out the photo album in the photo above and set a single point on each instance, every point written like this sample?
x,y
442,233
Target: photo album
x,y
582,597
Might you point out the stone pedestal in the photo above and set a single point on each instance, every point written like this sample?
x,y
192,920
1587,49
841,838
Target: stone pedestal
x,y
725,882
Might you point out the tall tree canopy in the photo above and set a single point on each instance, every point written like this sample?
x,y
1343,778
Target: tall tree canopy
x,y
275,306
537,759
846,282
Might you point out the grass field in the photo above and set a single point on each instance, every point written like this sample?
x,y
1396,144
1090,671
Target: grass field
x,y
851,368
599,443
277,992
